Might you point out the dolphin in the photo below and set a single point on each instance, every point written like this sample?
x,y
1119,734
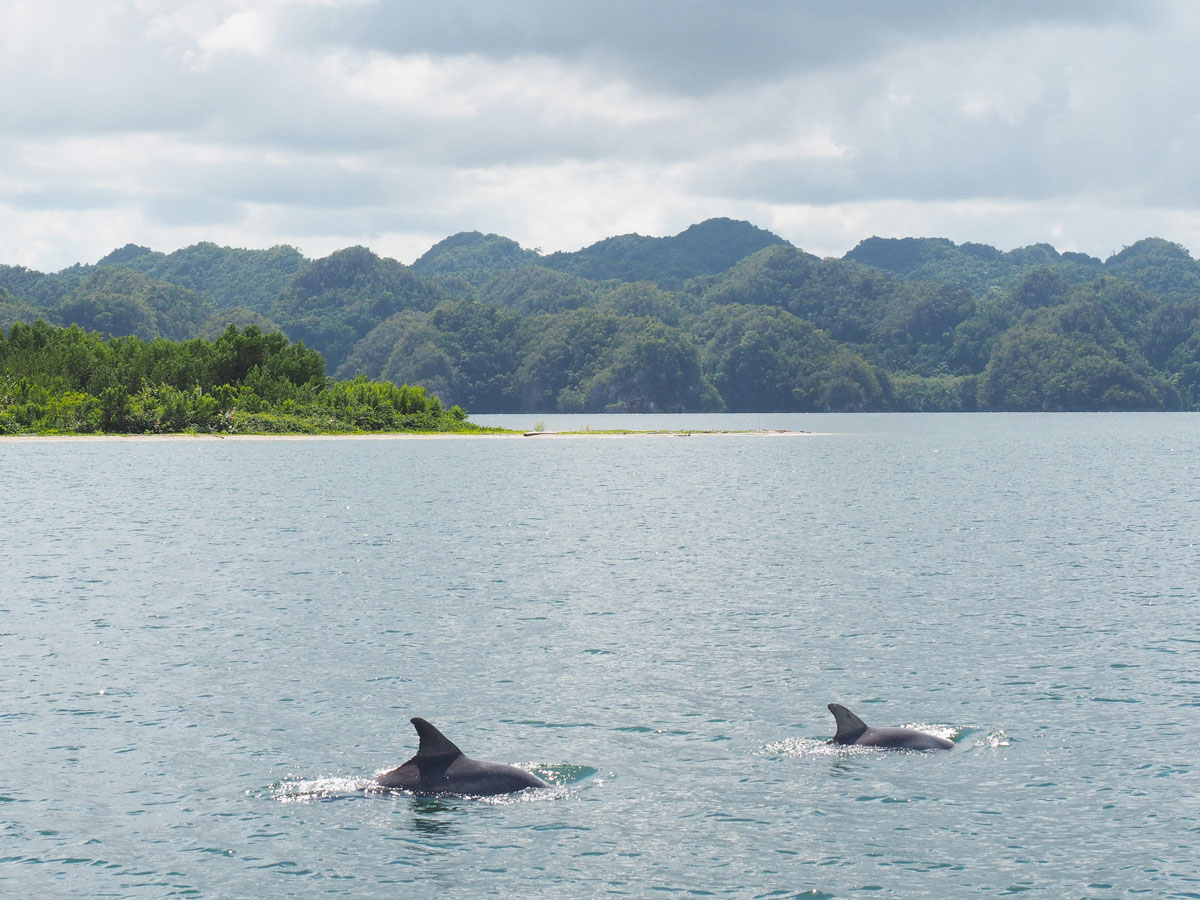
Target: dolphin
x,y
853,730
441,768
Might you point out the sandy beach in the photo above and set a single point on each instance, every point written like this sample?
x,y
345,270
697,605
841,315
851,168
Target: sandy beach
x,y
391,436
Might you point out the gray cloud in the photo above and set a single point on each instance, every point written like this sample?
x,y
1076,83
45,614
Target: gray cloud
x,y
394,124
63,196
689,45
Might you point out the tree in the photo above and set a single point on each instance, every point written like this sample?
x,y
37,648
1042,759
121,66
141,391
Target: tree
x,y
123,302
657,370
643,299
559,354
1068,358
335,301
707,248
765,359
1043,286
536,289
236,354
475,257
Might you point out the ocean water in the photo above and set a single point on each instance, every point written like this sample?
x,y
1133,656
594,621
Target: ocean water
x,y
208,647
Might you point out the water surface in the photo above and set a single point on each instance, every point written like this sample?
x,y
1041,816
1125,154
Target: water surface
x,y
207,647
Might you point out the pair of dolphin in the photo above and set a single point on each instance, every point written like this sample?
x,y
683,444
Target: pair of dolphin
x,y
441,768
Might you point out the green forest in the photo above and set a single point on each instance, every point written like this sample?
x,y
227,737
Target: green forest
x,y
725,316
64,380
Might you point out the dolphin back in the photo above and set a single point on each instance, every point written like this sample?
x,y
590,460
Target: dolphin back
x,y
903,738
487,779
853,730
439,767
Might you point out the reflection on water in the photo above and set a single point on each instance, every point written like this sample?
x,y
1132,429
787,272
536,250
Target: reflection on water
x,y
431,815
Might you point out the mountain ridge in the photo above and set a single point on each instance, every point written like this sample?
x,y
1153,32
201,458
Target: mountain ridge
x,y
713,317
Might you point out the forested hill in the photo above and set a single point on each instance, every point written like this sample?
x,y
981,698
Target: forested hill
x,y
724,315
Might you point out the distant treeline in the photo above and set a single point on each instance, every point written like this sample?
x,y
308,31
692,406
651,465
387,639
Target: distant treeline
x,y
56,380
724,316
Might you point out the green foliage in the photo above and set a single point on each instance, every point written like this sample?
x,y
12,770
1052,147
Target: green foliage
x,y
773,277
217,322
975,336
847,300
937,393
479,340
163,409
31,288
709,247
1161,267
1169,326
974,267
643,299
1128,307
371,354
462,350
333,302
1042,286
1069,358
71,412
223,277
920,327
765,359
561,354
13,310
656,370
66,380
383,406
473,256
124,302
723,314
914,257
536,289
850,385
237,354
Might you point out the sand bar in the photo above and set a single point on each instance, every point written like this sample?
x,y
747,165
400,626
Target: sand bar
x,y
389,436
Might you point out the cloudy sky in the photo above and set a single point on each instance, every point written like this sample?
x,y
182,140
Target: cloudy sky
x,y
394,123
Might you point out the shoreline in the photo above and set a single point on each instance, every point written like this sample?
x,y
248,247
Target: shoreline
x,y
387,436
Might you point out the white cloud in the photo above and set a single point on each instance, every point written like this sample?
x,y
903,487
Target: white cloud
x,y
248,32
472,87
394,124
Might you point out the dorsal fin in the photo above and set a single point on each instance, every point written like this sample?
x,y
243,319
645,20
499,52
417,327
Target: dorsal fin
x,y
433,742
849,726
